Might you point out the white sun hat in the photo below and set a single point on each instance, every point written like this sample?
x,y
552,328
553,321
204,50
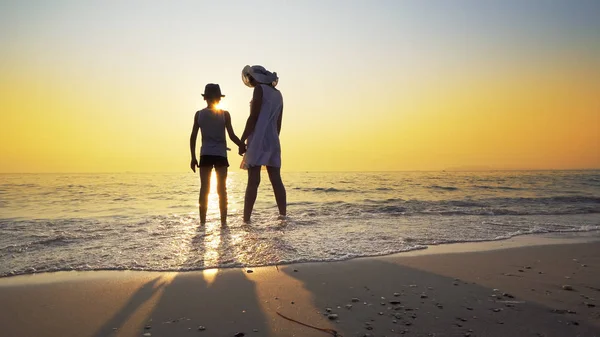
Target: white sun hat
x,y
260,75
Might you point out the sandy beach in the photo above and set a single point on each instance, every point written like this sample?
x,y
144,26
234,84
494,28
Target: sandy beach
x,y
525,286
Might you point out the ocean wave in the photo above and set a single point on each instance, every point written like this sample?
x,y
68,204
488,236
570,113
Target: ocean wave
x,y
407,244
541,230
445,188
123,198
572,198
27,185
227,264
521,232
465,203
322,189
76,186
488,187
501,211
558,205
59,240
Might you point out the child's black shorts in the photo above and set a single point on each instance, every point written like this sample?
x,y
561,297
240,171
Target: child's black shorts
x,y
216,161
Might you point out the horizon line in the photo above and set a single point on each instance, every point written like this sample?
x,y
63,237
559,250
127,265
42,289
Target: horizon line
x,y
316,171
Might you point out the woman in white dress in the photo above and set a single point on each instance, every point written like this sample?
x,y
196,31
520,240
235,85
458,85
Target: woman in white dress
x,y
262,133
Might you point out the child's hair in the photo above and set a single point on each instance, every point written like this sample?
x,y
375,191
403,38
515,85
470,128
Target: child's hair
x,y
212,100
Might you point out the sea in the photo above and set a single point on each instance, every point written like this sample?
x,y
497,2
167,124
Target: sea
x,y
149,221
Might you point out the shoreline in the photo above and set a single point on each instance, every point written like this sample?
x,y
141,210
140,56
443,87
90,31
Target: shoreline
x,y
526,286
524,240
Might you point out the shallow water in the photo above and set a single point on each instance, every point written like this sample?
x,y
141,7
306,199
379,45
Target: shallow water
x,y
52,222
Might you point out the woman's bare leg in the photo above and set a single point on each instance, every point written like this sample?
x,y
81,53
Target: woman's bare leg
x,y
205,172
278,188
222,191
251,190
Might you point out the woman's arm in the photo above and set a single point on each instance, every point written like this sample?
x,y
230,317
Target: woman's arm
x,y
230,132
279,120
254,112
193,137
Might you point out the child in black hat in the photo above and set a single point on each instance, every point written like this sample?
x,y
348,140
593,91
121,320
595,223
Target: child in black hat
x,y
212,123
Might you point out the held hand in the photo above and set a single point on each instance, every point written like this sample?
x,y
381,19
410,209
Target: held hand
x,y
194,164
242,149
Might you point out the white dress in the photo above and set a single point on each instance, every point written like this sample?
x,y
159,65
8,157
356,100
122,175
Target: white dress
x,y
263,146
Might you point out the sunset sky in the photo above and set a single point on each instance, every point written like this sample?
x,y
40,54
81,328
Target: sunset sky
x,y
112,86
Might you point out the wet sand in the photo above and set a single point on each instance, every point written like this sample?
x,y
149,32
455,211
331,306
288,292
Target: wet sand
x,y
527,286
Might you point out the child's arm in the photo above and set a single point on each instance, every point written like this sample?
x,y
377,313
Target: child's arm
x,y
193,136
230,132
254,111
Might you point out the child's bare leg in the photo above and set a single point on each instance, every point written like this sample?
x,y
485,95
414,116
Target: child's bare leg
x,y
278,188
222,191
251,190
205,172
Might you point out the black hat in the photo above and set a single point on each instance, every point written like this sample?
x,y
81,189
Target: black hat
x,y
212,90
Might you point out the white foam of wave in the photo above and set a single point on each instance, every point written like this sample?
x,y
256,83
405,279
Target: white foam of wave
x,y
168,245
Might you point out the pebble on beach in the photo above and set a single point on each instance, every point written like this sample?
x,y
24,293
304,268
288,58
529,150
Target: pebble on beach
x,y
332,316
201,328
567,287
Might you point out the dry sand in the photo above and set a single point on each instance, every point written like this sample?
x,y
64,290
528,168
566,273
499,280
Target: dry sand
x,y
529,286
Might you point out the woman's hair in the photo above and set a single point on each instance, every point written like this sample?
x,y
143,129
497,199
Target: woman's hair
x,y
252,80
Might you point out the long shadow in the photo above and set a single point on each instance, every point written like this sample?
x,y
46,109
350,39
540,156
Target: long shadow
x,y
223,304
138,299
141,297
375,297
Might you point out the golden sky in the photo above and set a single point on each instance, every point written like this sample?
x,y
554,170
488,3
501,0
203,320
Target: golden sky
x,y
102,86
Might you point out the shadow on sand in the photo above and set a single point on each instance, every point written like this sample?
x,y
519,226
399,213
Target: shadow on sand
x,y
370,296
223,302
